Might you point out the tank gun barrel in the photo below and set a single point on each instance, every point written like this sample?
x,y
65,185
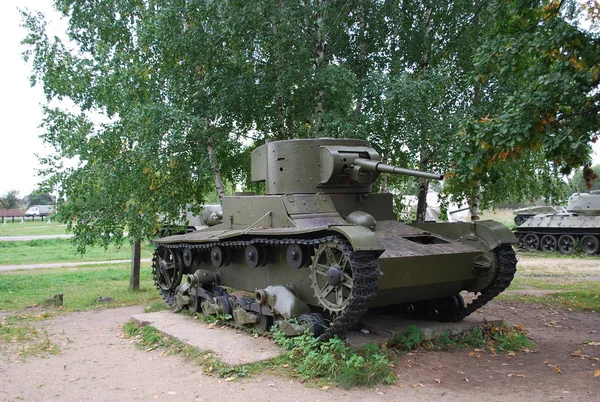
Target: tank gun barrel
x,y
380,167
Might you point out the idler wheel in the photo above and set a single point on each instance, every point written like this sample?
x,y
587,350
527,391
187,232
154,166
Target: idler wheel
x,y
297,256
219,256
166,269
255,256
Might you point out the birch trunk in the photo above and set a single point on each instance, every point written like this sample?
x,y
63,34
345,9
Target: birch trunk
x,y
424,152
216,171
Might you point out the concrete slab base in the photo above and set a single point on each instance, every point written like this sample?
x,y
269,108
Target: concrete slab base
x,y
237,348
378,328
230,346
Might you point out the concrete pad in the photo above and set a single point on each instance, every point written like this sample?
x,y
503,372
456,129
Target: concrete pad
x,y
230,346
378,328
237,348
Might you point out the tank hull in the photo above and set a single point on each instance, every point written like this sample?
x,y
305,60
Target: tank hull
x,y
321,241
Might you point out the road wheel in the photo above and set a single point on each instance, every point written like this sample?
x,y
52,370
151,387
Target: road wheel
x,y
590,244
566,244
548,243
531,242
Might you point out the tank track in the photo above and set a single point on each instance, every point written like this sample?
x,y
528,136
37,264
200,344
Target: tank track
x,y
365,273
507,262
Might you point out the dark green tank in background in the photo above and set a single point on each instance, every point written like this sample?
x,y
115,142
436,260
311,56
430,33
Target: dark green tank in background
x,y
565,229
320,248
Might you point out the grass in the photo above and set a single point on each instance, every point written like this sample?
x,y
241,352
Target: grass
x,y
80,287
567,290
32,228
60,250
21,338
496,339
330,362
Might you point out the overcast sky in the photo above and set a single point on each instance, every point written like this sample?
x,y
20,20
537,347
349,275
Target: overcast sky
x,y
20,110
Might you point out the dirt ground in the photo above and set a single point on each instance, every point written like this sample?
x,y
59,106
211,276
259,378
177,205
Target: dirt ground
x,y
97,363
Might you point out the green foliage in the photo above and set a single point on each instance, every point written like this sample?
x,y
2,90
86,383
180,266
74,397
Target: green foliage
x,y
501,339
40,197
10,200
410,339
487,91
334,361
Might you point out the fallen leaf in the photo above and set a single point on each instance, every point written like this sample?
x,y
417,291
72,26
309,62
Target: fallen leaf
x,y
228,379
171,393
597,373
577,353
466,379
325,388
592,343
437,380
557,369
416,385
511,353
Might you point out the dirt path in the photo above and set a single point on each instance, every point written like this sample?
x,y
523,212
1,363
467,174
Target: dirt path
x,y
97,363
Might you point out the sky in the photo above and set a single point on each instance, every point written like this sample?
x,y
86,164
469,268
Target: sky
x,y
20,104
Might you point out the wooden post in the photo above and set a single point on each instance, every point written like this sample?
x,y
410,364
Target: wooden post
x,y
134,282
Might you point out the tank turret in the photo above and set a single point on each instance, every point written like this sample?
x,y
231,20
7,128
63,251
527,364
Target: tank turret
x,y
326,165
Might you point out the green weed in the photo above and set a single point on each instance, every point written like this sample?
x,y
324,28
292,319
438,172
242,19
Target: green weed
x,y
407,340
500,338
334,361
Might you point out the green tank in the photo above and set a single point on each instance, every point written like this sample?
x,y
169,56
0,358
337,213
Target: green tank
x,y
563,230
320,248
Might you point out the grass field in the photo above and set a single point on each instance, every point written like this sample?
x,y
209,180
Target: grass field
x,y
79,286
35,228
60,250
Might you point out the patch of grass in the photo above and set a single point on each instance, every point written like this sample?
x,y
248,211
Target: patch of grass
x,y
582,295
32,228
80,287
21,338
335,362
157,306
407,340
46,251
495,339
577,254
